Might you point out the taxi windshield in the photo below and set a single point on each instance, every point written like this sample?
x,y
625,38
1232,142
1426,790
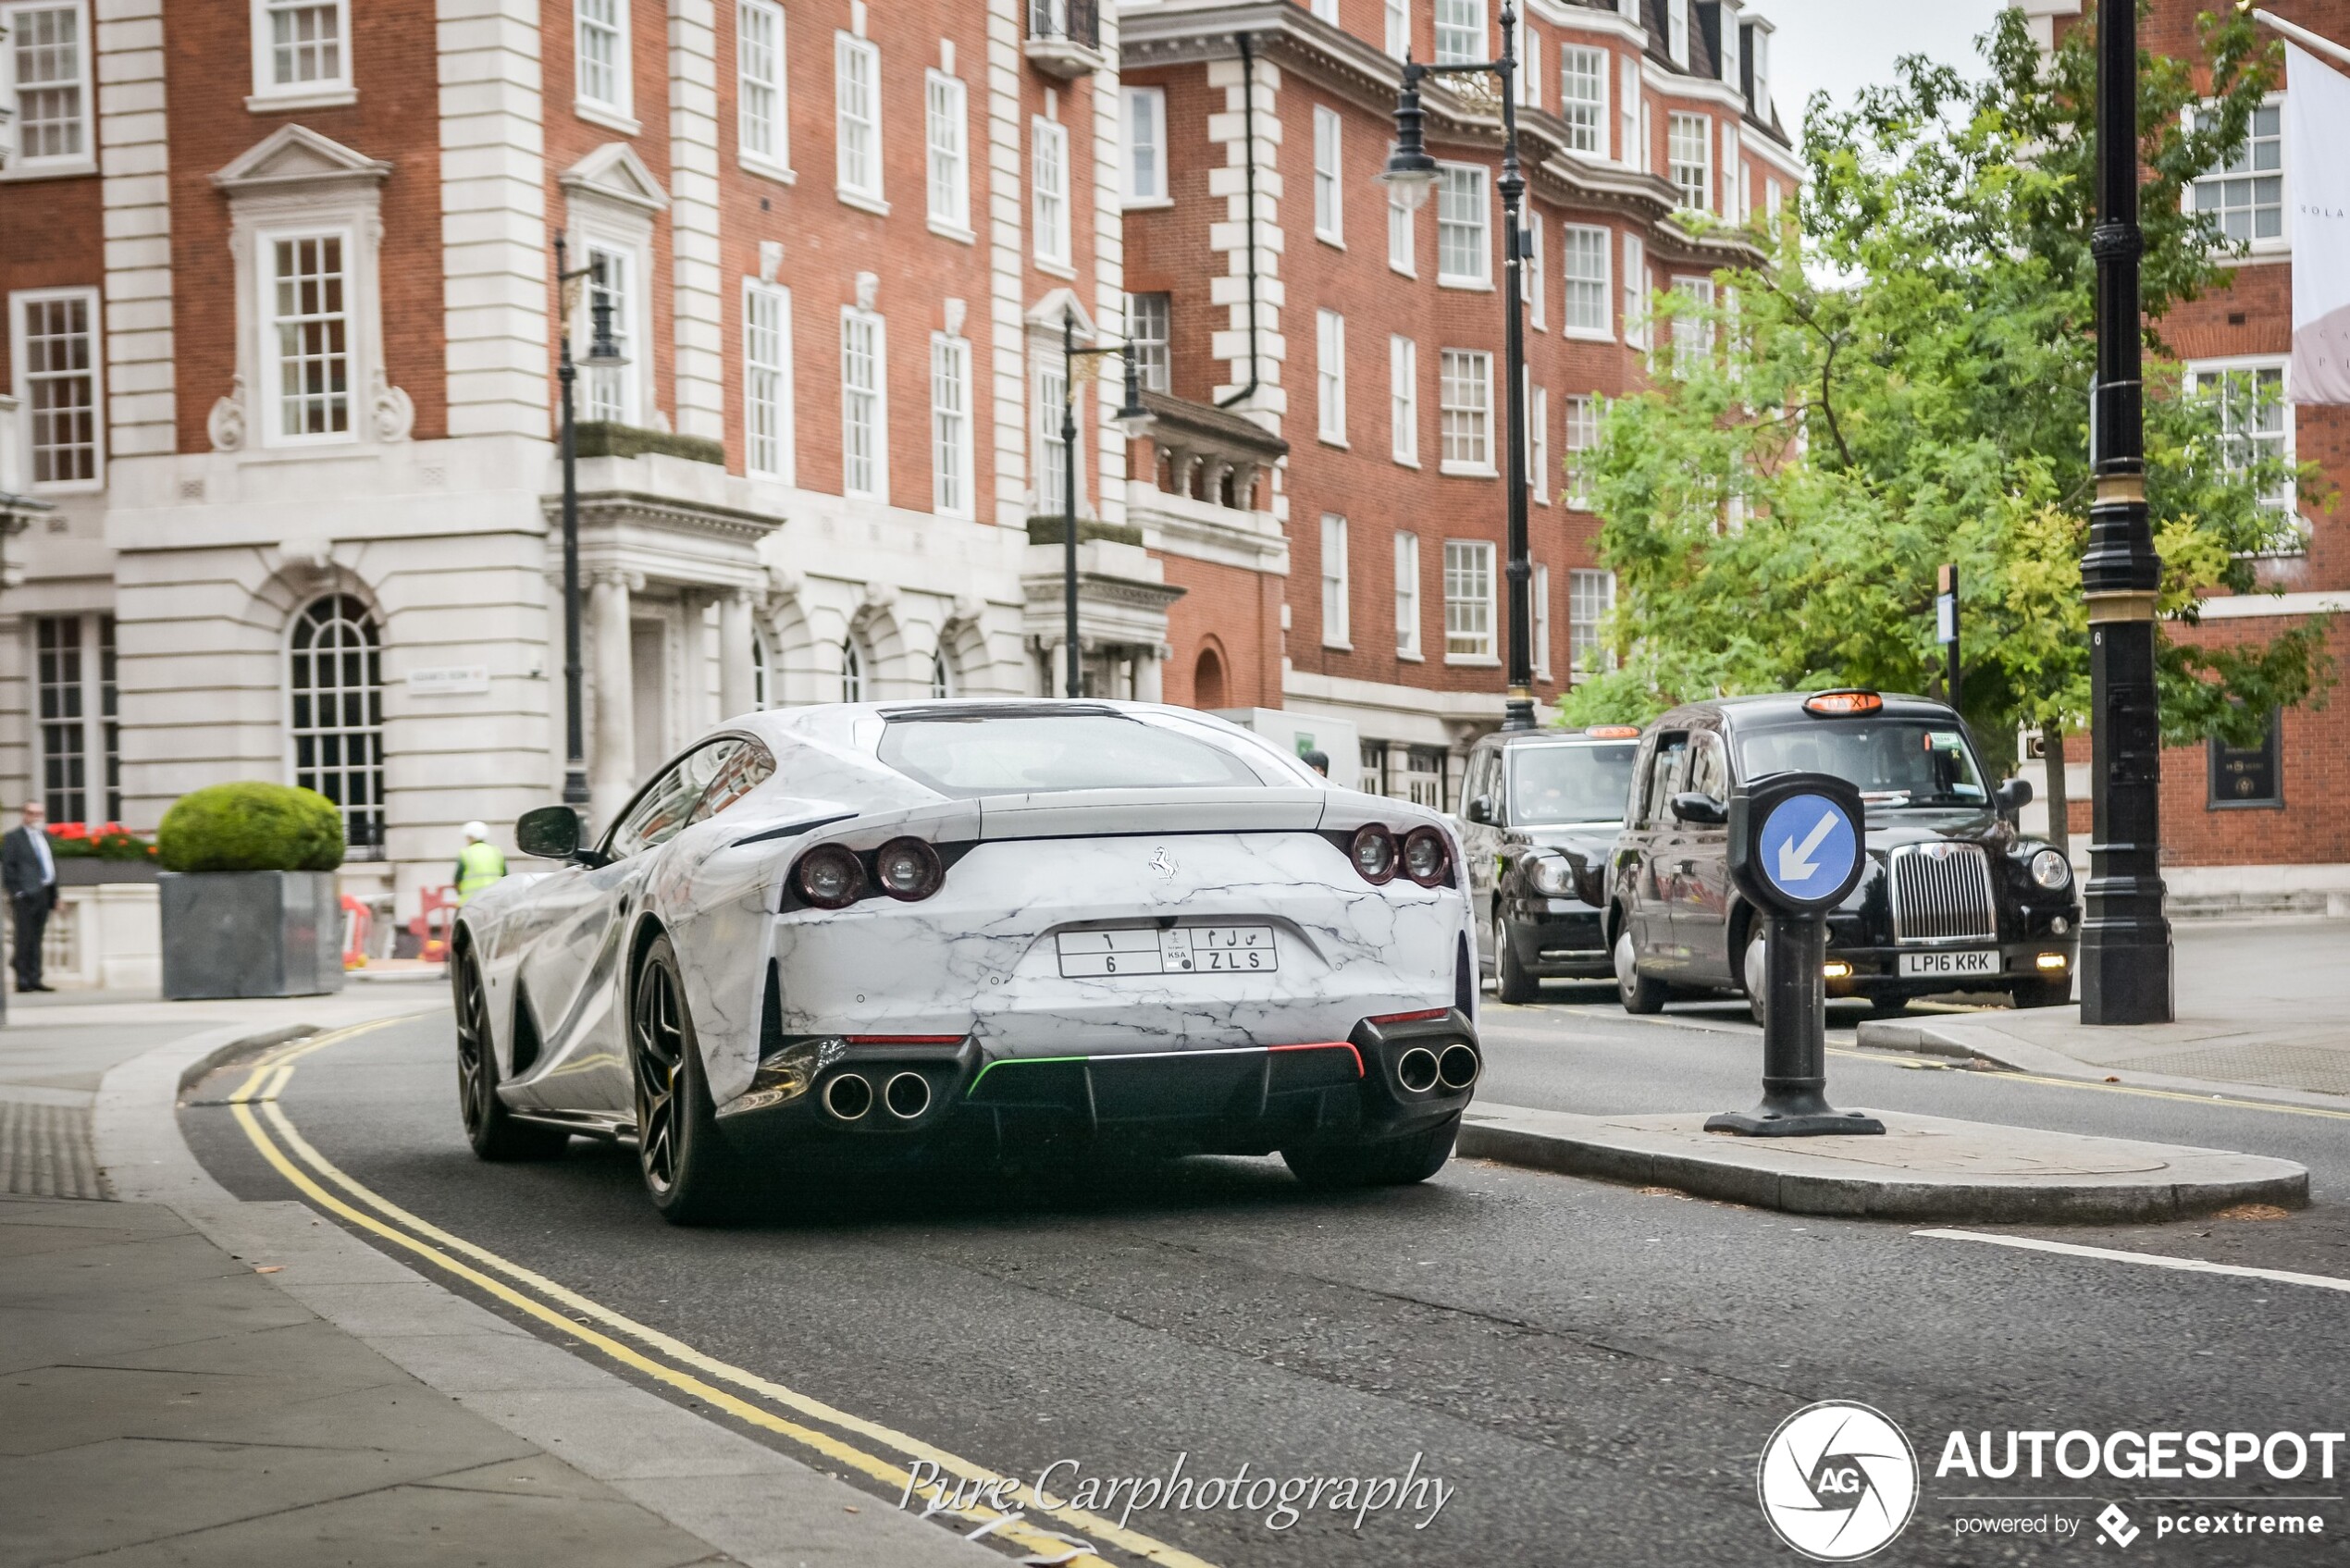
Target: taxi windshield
x,y
1894,762
1555,785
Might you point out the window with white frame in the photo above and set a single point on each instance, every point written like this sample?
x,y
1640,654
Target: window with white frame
x,y
48,76
55,351
1401,243
1676,31
76,705
612,391
1538,443
1585,308
600,44
1460,32
852,671
1150,327
1335,630
857,115
1404,399
762,126
1330,377
1049,179
1757,69
1463,254
1407,596
1468,598
1773,198
2255,420
946,681
1731,164
1399,27
1146,143
864,411
1529,274
767,421
1529,69
306,366
1583,98
301,46
1590,599
1689,151
1052,450
1328,214
1692,325
1631,117
1540,594
2245,196
1464,402
1582,436
334,712
1327,10
950,425
1636,293
946,135
762,680
1726,56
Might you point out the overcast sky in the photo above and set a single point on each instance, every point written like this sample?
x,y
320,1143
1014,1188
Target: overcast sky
x,y
1836,46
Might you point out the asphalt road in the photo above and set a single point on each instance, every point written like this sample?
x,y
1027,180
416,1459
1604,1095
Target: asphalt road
x,y
1594,1367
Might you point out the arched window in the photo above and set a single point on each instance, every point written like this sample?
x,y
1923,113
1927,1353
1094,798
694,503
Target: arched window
x,y
1208,680
334,688
759,675
852,671
943,683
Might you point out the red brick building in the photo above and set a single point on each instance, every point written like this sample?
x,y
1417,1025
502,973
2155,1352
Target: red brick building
x,y
2263,829
1260,249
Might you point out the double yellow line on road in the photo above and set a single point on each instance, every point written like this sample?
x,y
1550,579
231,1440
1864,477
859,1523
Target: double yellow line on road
x,y
657,1355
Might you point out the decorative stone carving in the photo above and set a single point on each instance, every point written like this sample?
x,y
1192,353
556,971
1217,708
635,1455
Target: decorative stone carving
x,y
868,289
955,312
390,409
227,425
771,259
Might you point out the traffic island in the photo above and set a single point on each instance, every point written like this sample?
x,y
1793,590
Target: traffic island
x,y
1920,1168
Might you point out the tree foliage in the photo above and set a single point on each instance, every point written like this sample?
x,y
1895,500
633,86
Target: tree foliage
x,y
1904,381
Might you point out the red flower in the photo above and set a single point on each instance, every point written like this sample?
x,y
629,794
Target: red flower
x,y
70,831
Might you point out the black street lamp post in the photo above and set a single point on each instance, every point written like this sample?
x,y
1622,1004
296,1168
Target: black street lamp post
x,y
1411,173
2125,939
601,353
1129,420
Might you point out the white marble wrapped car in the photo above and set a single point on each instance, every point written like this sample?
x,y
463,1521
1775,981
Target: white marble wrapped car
x,y
876,935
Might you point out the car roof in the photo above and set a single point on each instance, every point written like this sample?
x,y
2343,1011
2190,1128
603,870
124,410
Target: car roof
x,y
1770,706
1507,738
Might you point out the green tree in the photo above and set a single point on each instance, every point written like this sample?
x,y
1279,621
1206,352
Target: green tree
x,y
1903,381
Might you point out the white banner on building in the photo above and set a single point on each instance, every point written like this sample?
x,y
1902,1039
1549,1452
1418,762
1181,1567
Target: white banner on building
x,y
2317,132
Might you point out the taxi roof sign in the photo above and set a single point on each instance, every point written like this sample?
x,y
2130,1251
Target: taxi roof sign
x,y
1843,702
1613,731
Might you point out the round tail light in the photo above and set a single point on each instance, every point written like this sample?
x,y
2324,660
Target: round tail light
x,y
829,877
1427,860
1374,853
907,869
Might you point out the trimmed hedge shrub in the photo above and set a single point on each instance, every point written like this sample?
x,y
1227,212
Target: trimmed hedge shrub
x,y
251,826
598,437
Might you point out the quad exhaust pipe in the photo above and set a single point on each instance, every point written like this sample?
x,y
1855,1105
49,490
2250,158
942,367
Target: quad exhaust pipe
x,y
848,1096
1456,1069
1422,1070
1418,1070
907,1095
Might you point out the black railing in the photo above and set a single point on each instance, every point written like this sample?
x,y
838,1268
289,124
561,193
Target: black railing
x,y
1078,22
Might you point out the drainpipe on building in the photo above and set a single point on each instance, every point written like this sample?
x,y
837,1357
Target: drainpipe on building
x,y
1248,178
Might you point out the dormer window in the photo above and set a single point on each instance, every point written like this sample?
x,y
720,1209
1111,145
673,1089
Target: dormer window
x,y
1757,67
1676,31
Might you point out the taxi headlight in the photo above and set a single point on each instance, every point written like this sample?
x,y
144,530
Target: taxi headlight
x,y
2050,870
1552,876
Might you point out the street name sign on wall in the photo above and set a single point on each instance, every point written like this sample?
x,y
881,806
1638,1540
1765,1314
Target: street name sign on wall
x,y
463,680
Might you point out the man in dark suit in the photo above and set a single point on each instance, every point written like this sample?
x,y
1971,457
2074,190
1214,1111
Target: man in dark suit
x,y
30,874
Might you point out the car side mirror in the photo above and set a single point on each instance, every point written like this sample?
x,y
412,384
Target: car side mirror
x,y
1704,809
2015,794
1481,811
551,833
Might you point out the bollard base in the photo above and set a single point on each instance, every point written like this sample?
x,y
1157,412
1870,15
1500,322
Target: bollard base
x,y
1761,1123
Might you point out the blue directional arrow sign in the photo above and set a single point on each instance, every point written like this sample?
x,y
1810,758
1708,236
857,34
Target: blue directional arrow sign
x,y
1806,847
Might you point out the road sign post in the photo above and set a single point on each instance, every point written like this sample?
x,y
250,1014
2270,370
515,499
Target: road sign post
x,y
1795,851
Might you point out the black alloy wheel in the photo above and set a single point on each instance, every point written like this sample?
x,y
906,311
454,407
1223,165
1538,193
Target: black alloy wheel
x,y
678,1145
1639,992
491,1128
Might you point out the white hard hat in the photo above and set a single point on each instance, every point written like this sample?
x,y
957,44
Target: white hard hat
x,y
478,830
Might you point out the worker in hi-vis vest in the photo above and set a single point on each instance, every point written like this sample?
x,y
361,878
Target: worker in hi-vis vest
x,y
478,863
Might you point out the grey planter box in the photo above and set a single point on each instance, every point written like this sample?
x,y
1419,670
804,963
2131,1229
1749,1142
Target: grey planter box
x,y
88,871
251,933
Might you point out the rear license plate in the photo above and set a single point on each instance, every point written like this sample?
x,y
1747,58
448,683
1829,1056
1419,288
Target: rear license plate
x,y
1981,961
1185,950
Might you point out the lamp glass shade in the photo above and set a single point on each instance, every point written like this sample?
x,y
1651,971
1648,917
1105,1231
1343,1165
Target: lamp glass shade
x,y
1409,185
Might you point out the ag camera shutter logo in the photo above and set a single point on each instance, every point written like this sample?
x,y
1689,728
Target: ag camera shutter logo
x,y
1838,1481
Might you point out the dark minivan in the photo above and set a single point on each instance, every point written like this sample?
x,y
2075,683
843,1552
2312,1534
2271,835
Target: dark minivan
x,y
1541,811
1954,898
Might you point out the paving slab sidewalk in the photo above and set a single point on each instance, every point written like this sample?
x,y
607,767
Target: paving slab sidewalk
x,y
163,1399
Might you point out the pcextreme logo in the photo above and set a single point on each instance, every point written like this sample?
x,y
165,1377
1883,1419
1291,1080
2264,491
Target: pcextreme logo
x,y
1838,1481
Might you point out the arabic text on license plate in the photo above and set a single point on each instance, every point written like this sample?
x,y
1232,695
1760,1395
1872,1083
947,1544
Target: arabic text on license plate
x,y
1185,950
1980,960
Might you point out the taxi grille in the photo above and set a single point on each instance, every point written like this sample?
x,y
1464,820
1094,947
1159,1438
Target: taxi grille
x,y
1940,891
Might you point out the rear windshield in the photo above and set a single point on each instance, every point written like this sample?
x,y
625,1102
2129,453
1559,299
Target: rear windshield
x,y
1021,754
1893,763
1569,783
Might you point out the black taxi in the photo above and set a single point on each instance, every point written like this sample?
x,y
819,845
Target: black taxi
x,y
1540,809
1953,898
